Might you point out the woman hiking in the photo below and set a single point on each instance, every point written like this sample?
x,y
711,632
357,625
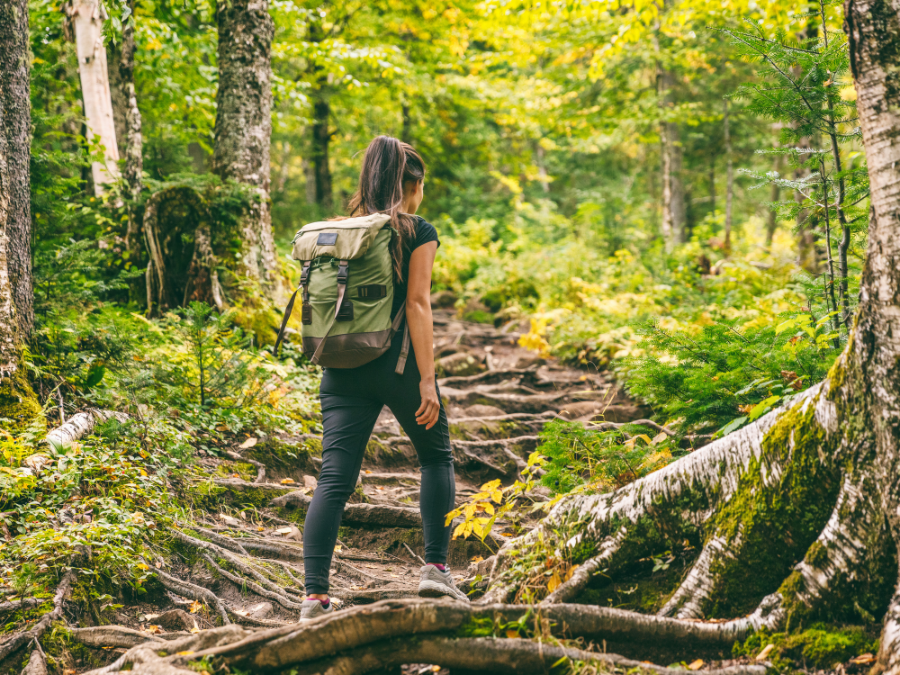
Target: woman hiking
x,y
392,183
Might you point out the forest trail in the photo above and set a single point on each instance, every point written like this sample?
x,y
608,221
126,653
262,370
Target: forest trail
x,y
498,397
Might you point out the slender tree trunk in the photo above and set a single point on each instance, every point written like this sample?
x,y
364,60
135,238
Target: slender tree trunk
x,y
309,175
87,18
321,139
674,213
15,135
406,128
729,181
244,122
134,160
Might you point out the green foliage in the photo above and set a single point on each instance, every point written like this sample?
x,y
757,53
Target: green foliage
x,y
583,459
106,493
721,377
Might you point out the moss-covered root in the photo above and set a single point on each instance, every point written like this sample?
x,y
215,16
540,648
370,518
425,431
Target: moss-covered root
x,y
18,403
693,597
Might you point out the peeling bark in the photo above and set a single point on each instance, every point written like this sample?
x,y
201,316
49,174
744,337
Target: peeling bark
x,y
244,123
81,425
87,18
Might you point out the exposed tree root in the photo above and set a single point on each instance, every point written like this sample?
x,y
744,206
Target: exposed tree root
x,y
37,663
366,638
18,640
260,467
194,592
692,597
16,605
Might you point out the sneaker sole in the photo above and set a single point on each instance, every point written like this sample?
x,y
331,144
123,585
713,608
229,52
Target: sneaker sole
x,y
432,589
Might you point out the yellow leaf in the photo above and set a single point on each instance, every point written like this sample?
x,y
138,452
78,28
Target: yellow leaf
x,y
696,665
512,634
459,530
196,606
477,559
337,549
184,653
571,571
497,496
195,629
488,507
470,510
554,582
288,481
491,486
142,566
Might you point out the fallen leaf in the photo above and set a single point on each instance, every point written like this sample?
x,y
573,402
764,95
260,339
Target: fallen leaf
x,y
367,471
696,665
765,652
153,628
288,481
260,529
554,582
184,653
195,629
235,475
477,559
249,443
863,659
512,634
240,612
196,606
284,530
337,549
435,669
570,572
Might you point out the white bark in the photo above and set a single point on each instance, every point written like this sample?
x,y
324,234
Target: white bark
x,y
87,21
81,425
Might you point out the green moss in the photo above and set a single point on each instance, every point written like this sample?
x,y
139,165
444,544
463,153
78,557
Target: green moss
x,y
779,521
817,555
18,402
479,316
286,457
262,322
820,646
242,469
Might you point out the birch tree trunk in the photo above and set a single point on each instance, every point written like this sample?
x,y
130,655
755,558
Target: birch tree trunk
x,y
87,17
798,513
15,135
244,122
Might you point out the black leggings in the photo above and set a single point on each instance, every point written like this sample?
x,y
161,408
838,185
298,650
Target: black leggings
x,y
352,399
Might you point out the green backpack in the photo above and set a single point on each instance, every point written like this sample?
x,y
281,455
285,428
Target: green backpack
x,y
347,286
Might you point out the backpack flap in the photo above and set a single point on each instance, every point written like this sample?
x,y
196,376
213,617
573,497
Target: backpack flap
x,y
341,239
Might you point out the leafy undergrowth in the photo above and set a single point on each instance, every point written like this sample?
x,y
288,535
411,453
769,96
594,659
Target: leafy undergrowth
x,y
193,385
819,647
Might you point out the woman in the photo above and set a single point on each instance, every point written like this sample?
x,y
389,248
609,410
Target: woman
x,y
392,182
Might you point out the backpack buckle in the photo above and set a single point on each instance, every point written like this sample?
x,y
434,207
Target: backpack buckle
x,y
343,272
304,274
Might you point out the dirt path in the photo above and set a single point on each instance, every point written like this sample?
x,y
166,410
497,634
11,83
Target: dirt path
x,y
498,397
238,551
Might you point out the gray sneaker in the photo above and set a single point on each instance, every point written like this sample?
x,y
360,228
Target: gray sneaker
x,y
313,609
436,584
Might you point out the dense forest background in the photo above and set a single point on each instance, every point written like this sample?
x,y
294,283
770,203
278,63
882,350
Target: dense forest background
x,y
672,194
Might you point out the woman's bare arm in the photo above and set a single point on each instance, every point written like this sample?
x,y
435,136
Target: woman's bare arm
x,y
421,329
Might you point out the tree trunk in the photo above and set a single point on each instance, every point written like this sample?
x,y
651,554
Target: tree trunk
x,y
321,138
674,213
134,160
17,400
244,122
873,29
15,135
87,18
729,181
798,513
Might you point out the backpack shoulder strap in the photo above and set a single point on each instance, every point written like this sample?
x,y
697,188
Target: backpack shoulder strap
x,y
304,281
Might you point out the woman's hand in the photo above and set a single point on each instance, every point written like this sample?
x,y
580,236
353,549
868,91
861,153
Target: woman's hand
x,y
430,409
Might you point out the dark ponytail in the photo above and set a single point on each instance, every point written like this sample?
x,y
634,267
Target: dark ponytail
x,y
389,164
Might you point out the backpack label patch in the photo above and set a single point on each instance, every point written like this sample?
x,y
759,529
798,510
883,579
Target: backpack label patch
x,y
327,239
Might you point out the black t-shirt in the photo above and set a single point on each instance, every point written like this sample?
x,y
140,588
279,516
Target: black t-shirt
x,y
425,233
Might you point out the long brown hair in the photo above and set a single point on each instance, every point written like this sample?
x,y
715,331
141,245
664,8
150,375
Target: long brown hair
x,y
388,165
